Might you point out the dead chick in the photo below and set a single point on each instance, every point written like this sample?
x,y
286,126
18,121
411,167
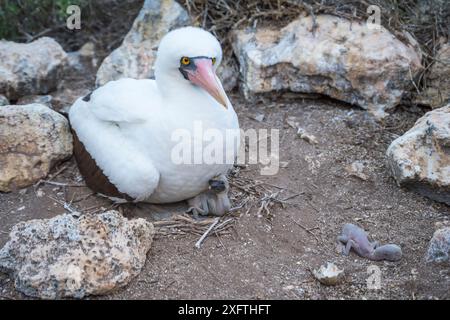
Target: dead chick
x,y
356,238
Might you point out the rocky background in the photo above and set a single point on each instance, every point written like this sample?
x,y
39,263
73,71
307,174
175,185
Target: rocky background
x,y
276,53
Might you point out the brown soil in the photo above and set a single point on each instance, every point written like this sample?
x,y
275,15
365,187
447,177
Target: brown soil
x,y
270,255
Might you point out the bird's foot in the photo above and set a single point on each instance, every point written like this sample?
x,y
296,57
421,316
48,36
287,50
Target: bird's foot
x,y
196,211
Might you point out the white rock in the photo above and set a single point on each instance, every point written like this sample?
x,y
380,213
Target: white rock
x,y
69,257
32,68
342,59
33,139
420,159
439,248
306,136
135,57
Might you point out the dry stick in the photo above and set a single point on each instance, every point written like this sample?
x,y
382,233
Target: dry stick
x,y
83,197
65,205
63,184
199,242
412,80
306,229
52,175
293,196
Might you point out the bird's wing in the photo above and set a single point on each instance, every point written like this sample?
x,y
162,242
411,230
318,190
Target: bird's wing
x,y
96,122
124,100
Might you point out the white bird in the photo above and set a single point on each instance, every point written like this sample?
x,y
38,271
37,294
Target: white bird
x,y
123,131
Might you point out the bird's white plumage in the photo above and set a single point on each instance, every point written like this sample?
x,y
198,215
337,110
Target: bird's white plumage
x,y
127,125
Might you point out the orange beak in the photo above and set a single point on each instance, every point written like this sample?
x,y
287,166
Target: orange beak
x,y
203,75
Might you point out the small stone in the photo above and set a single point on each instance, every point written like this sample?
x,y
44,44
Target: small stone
x,y
258,117
40,193
356,169
329,274
289,287
307,136
292,122
284,164
439,247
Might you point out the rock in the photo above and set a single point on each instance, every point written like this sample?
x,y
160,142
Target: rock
x,y
284,164
32,68
74,257
3,100
64,99
44,100
302,134
228,73
439,248
420,159
437,93
135,57
137,54
33,139
292,122
342,59
356,169
83,60
259,117
329,274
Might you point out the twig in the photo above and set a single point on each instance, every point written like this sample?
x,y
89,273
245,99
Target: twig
x,y
293,196
199,242
65,205
51,176
306,229
63,184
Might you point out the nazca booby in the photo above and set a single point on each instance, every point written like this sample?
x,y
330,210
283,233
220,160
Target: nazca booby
x,y
123,130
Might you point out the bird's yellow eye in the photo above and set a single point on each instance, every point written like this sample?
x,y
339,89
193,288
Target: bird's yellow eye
x,y
185,61
213,60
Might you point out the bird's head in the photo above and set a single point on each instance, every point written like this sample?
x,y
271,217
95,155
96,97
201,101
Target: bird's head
x,y
191,55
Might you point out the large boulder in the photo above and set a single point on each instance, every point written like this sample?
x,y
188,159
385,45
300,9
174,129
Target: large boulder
x,y
135,57
420,159
437,93
137,54
75,257
32,68
32,139
339,58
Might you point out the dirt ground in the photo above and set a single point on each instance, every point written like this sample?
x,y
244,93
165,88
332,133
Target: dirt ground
x,y
270,254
